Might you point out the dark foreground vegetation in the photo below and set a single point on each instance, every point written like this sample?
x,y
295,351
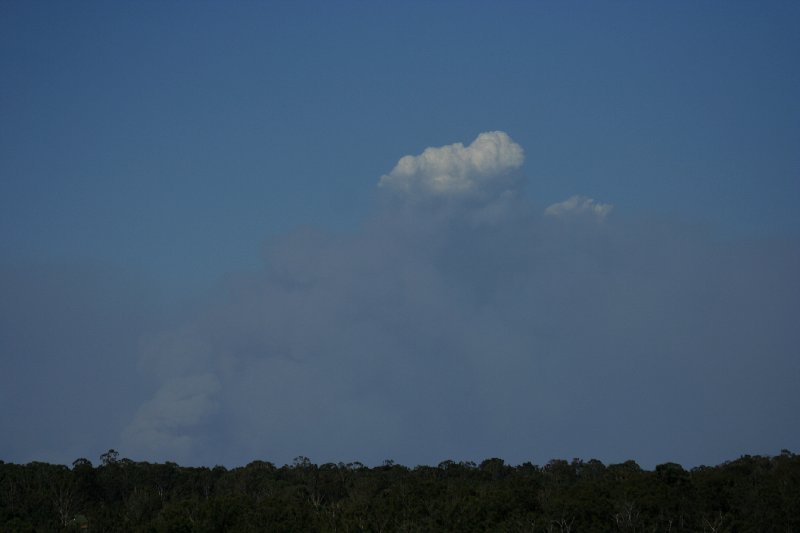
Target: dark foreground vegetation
x,y
748,494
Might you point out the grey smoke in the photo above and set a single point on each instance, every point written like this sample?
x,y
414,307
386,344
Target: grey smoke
x,y
69,345
464,326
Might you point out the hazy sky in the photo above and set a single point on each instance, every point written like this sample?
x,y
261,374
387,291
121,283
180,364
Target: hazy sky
x,y
407,230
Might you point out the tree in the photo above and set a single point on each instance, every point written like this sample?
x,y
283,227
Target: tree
x,y
110,457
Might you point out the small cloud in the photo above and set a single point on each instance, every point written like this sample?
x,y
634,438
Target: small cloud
x,y
455,170
579,205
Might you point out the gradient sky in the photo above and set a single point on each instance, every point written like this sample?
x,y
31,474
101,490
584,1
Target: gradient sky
x,y
197,261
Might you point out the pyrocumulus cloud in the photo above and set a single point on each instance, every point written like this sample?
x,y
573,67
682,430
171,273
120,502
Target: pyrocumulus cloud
x,y
490,329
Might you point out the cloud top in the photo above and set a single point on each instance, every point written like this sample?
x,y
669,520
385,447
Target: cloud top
x,y
579,205
455,170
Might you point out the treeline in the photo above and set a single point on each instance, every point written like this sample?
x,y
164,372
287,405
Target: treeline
x,y
752,493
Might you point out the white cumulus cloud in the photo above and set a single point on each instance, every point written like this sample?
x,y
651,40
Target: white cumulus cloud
x,y
455,169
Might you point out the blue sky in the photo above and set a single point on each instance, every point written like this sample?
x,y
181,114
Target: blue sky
x,y
154,155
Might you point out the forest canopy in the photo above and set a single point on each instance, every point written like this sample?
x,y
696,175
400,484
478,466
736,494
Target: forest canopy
x,y
752,493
